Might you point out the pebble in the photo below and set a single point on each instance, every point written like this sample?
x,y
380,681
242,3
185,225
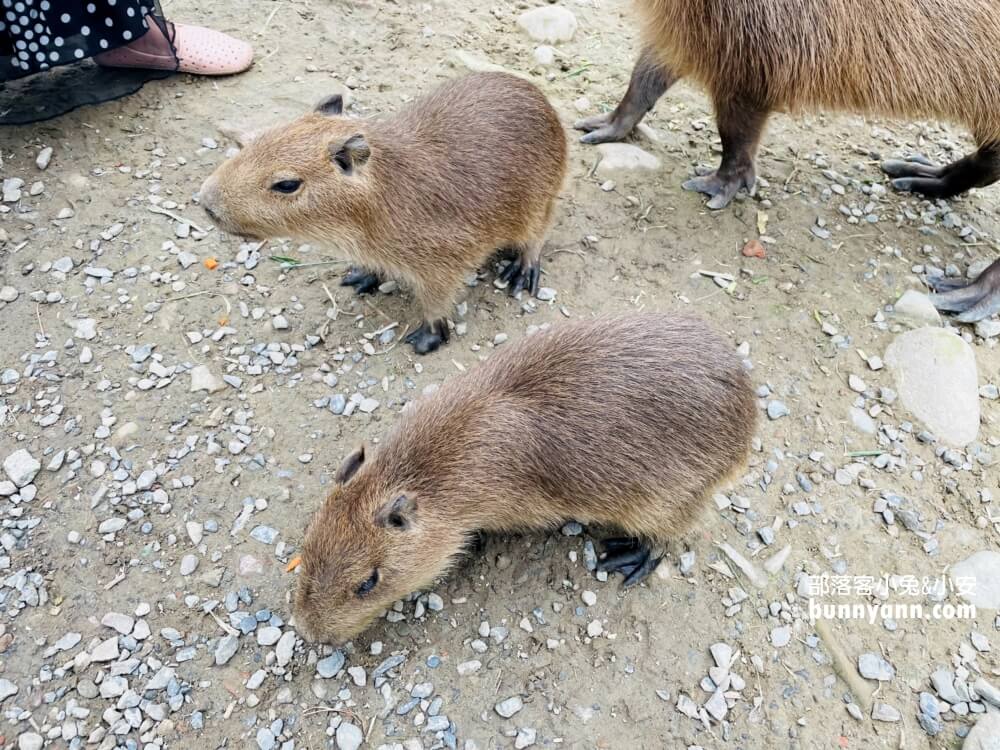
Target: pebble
x,y
594,628
624,157
106,650
781,636
777,410
7,689
225,649
283,650
202,379
189,564
935,372
29,741
122,623
83,328
589,598
466,668
525,738
8,294
43,158
874,667
331,665
550,24
268,636
885,712
507,708
21,467
916,309
349,736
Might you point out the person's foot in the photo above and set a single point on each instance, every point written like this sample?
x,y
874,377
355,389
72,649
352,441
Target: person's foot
x,y
199,50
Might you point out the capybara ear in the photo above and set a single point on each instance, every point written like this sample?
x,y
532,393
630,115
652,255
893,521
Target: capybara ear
x,y
331,106
350,154
399,513
350,466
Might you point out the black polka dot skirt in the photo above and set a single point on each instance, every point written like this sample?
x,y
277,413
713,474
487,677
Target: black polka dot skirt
x,y
37,35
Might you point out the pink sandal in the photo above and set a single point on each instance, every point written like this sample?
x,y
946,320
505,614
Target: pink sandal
x,y
200,51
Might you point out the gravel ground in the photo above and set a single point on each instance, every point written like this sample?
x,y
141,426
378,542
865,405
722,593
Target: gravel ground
x,y
173,405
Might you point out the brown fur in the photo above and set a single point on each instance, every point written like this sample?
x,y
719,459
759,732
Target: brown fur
x,y
908,58
626,421
474,166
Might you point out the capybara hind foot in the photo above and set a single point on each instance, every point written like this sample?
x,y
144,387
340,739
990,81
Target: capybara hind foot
x,y
723,188
648,83
976,301
429,336
632,558
521,274
364,282
918,175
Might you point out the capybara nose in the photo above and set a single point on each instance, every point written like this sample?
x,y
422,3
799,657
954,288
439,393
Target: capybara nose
x,y
208,196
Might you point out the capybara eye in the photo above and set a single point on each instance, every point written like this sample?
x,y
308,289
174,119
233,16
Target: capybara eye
x,y
286,186
366,588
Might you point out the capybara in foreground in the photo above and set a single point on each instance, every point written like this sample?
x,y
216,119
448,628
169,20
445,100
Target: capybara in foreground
x,y
423,196
627,421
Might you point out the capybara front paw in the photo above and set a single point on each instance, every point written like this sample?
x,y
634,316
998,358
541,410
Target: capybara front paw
x,y
364,282
631,557
429,336
521,276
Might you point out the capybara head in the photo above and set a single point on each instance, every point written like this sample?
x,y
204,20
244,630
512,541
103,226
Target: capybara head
x,y
369,545
304,179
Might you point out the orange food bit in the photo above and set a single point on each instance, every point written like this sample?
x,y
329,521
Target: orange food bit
x,y
211,264
293,564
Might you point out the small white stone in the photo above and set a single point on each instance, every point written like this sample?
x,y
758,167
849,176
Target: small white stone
x,y
202,379
117,621
189,564
589,598
43,158
595,628
549,23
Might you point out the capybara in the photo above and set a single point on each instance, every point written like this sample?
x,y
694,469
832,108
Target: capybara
x,y
423,196
626,421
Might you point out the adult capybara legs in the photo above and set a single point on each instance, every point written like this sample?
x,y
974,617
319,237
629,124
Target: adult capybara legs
x,y
650,80
917,175
364,282
976,301
741,124
631,557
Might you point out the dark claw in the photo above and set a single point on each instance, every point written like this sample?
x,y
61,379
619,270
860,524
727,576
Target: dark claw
x,y
723,187
616,544
944,283
642,572
522,277
429,336
975,301
512,269
364,282
916,166
630,557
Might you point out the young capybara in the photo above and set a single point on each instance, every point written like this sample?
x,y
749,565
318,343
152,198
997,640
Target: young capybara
x,y
424,196
627,421
907,58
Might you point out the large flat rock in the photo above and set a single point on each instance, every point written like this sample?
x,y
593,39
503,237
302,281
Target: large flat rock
x,y
936,377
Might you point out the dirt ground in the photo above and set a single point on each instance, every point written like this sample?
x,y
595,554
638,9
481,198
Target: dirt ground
x,y
627,241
